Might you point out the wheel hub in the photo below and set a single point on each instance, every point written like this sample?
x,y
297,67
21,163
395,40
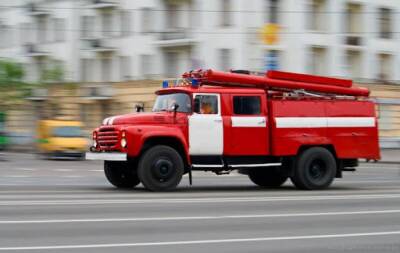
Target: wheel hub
x,y
162,169
317,169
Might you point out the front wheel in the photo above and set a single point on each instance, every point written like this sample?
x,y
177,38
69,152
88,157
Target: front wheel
x,y
315,169
160,168
120,175
270,177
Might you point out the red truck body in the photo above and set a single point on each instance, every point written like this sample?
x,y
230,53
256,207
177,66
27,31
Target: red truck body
x,y
258,122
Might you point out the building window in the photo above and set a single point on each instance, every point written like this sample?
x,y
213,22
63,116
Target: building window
x,y
23,32
125,68
147,20
126,27
385,23
226,13
318,61
172,60
385,67
107,24
272,11
318,17
225,59
145,65
87,26
354,19
86,69
42,30
106,69
354,63
172,16
59,29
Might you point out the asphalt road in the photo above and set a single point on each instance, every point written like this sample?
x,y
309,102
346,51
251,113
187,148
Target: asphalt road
x,y
67,206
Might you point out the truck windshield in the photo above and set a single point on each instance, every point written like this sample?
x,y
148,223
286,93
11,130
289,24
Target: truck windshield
x,y
165,102
67,131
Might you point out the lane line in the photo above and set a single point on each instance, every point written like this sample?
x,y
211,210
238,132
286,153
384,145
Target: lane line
x,y
25,169
197,200
63,170
217,217
18,176
214,241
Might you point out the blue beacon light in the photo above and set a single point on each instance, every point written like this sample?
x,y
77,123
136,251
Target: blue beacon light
x,y
195,83
165,84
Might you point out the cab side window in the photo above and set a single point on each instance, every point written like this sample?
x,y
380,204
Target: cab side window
x,y
247,105
206,104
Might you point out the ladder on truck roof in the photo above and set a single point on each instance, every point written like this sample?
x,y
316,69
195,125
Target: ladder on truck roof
x,y
280,81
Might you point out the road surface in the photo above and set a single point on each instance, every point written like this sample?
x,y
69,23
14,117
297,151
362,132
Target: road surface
x,y
67,206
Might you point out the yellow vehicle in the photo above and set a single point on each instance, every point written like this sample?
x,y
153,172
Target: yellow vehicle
x,y
61,139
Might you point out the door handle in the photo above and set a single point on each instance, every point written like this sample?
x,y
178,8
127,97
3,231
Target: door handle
x,y
262,122
218,120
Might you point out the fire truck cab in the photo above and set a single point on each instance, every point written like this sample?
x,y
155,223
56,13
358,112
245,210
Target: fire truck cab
x,y
263,127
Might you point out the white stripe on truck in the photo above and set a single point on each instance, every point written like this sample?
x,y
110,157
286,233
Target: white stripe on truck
x,y
319,122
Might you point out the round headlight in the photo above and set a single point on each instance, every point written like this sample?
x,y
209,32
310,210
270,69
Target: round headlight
x,y
123,143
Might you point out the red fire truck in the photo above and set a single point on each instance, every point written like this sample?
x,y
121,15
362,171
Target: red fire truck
x,y
271,127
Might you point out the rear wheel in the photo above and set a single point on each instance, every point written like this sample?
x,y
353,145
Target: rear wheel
x,y
120,175
160,168
314,169
270,177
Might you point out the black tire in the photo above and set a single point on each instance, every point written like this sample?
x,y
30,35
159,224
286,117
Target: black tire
x,y
269,177
120,175
160,168
315,169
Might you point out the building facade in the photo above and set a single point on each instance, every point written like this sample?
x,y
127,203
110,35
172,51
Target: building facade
x,y
106,47
120,40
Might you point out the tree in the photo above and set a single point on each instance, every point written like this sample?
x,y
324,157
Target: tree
x,y
12,86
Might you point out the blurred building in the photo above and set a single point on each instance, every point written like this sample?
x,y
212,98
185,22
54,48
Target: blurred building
x,y
118,40
104,46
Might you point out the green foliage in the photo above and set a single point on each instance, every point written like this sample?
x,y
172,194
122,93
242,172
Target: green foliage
x,y
10,72
12,86
54,73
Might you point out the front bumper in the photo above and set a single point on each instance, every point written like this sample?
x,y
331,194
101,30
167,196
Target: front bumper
x,y
105,156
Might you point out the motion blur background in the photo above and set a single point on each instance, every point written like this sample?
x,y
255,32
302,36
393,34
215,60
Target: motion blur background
x,y
85,60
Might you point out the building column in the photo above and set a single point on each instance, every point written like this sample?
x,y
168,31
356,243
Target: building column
x,y
369,63
336,53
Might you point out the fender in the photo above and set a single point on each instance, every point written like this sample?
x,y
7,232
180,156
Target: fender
x,y
138,135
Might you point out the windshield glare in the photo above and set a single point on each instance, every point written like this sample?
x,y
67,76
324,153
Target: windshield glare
x,y
67,131
165,102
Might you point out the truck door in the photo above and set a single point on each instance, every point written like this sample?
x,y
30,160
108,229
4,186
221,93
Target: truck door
x,y
205,125
248,128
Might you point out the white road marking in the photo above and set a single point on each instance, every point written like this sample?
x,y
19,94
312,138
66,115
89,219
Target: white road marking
x,y
63,170
218,217
17,176
213,241
71,176
25,169
196,200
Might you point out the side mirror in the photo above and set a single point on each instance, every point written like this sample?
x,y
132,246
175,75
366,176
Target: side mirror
x,y
139,108
175,107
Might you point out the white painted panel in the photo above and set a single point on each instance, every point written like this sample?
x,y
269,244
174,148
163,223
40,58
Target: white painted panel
x,y
205,134
318,122
301,122
249,122
351,122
